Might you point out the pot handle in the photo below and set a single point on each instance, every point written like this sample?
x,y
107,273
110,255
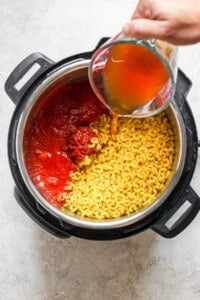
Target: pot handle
x,y
36,59
163,226
38,216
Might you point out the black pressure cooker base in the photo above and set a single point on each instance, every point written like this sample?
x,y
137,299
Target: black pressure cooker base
x,y
158,219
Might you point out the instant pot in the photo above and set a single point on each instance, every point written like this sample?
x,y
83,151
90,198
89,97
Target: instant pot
x,y
170,214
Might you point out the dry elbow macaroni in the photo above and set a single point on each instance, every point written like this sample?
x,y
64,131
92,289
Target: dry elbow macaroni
x,y
128,172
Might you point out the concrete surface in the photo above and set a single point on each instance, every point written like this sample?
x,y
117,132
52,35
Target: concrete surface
x,y
33,264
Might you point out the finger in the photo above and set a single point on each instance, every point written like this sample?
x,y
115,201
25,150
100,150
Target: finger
x,y
136,14
144,28
144,10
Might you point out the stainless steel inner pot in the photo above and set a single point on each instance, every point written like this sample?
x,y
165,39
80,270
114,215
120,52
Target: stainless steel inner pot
x,y
77,71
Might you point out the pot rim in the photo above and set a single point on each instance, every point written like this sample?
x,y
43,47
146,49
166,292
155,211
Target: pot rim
x,y
32,98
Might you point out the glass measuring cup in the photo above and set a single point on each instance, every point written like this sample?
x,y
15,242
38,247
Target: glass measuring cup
x,y
134,77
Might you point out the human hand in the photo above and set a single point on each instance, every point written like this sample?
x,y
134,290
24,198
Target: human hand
x,y
177,22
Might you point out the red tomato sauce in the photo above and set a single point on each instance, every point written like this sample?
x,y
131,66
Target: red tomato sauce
x,y
79,139
57,136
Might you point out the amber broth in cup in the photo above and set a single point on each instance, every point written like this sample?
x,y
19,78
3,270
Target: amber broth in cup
x,y
133,76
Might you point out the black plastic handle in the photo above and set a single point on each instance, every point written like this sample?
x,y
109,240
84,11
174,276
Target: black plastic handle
x,y
183,83
184,220
38,216
183,86
101,42
22,68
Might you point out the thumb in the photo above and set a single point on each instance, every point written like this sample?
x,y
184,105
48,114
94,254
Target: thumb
x,y
145,28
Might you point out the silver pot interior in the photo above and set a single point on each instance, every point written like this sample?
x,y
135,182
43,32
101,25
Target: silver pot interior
x,y
77,71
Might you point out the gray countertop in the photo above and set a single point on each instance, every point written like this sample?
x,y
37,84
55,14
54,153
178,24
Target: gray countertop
x,y
34,264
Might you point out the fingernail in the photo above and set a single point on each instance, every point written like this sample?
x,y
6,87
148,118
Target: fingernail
x,y
126,29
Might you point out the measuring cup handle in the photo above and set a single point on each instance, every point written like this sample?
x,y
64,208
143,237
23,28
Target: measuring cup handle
x,y
19,72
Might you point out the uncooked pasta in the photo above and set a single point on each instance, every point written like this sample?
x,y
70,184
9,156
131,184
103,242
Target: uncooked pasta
x,y
127,173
